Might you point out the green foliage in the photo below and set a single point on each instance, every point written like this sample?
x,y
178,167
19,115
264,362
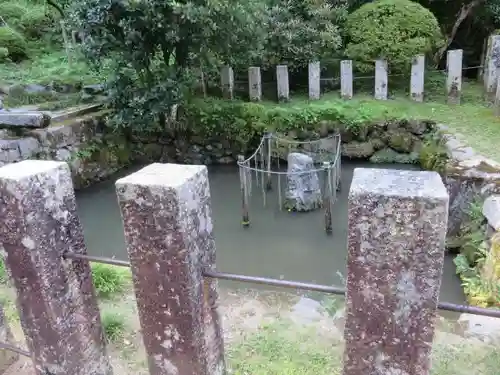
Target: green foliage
x,y
433,155
13,42
4,277
32,19
4,54
394,30
156,46
114,326
109,280
303,31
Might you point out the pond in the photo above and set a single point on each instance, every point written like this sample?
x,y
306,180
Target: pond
x,y
278,244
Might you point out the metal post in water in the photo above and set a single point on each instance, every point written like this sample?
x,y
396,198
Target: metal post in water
x,y
263,176
327,195
268,167
244,195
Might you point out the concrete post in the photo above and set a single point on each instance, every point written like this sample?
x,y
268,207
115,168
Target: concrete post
x,y
7,357
167,220
55,297
254,84
497,96
492,63
381,80
314,80
454,79
417,78
397,229
227,82
282,80
346,90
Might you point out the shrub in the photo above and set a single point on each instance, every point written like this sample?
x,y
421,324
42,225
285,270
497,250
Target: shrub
x,y
113,325
13,42
395,30
109,280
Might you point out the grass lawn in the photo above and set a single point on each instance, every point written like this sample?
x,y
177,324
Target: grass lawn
x,y
474,118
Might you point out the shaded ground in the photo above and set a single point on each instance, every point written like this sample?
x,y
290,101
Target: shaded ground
x,y
267,334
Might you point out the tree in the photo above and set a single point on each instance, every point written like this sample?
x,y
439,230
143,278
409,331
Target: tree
x,y
395,30
301,31
154,47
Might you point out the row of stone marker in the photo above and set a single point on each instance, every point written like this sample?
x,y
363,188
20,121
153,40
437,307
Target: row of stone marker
x,y
397,225
453,84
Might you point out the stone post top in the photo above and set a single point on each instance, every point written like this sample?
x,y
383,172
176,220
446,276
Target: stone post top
x,y
29,168
165,175
397,183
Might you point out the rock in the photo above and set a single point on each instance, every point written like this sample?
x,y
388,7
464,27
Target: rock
x,y
400,140
417,127
34,88
358,150
225,160
491,210
1,102
306,311
485,328
93,89
28,147
303,192
388,155
63,155
24,119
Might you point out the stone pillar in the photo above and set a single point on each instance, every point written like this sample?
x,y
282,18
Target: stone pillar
x,y
497,98
254,84
314,80
346,90
417,78
397,229
7,357
381,80
454,79
492,63
168,228
282,80
227,82
56,300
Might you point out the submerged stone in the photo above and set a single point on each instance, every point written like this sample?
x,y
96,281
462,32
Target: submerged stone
x,y
303,192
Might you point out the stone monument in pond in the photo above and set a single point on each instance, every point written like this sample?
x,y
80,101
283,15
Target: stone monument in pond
x,y
303,192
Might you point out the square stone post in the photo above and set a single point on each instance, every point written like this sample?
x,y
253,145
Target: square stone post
x,y
381,80
227,82
55,297
168,228
454,79
254,84
492,64
346,90
282,80
417,78
314,80
396,243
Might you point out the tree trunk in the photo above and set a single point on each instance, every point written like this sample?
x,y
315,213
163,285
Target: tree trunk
x,y
465,12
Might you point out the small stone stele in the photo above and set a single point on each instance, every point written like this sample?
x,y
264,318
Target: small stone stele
x,y
303,192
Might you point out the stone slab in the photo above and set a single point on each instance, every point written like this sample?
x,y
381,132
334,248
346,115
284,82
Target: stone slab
x,y
491,210
397,229
167,220
55,297
24,119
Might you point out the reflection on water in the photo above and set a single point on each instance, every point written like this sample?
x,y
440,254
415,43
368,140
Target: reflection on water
x,y
278,244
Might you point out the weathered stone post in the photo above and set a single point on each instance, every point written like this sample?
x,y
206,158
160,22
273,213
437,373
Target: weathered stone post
x,y
381,80
55,297
167,220
397,228
346,85
7,357
254,84
227,82
417,78
492,64
283,85
314,80
454,78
